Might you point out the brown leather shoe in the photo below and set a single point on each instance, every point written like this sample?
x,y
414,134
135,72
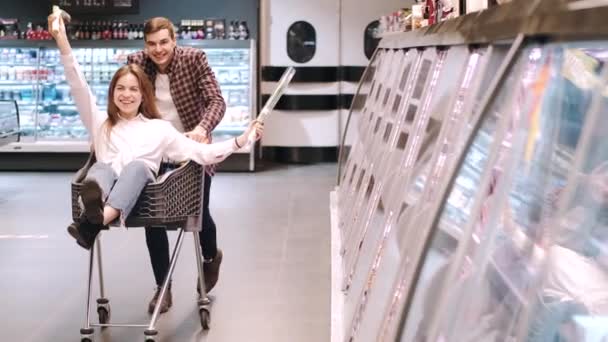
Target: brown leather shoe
x,y
91,199
166,303
211,271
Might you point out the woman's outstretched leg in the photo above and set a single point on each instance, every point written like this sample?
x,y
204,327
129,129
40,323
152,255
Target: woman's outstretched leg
x,y
95,188
110,214
126,191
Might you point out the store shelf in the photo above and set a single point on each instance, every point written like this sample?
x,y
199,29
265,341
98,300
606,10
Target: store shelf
x,y
220,66
8,133
236,130
233,85
50,44
18,82
47,146
12,64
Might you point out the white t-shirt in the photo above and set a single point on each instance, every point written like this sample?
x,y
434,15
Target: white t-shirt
x,y
164,101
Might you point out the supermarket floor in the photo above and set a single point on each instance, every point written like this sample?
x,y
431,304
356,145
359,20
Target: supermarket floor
x,y
274,229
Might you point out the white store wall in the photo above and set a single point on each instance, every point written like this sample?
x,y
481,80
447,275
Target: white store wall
x,y
340,27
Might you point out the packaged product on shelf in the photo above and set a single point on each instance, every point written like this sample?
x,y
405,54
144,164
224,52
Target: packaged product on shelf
x,y
417,16
219,27
244,74
11,73
17,95
223,76
209,29
3,73
234,76
243,30
234,98
27,95
232,31
184,33
9,29
49,93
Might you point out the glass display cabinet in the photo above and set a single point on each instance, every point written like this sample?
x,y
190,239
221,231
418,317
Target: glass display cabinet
x,y
9,122
473,203
31,74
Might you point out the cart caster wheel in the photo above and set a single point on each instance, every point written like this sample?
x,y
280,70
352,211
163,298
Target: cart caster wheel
x,y
150,335
205,318
86,335
104,315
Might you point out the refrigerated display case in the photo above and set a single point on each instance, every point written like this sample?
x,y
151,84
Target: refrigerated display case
x,y
502,233
32,75
9,122
506,255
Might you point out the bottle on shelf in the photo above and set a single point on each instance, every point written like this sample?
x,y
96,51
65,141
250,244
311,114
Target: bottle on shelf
x,y
114,29
140,32
94,31
107,31
86,31
30,31
71,31
119,30
209,30
124,33
232,30
243,30
189,32
200,29
194,29
182,31
131,33
220,30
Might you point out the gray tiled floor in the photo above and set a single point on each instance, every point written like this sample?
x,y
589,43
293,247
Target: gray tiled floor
x,y
275,285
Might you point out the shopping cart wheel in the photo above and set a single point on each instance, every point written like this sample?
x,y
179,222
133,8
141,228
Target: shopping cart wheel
x,y
86,335
205,318
103,310
150,335
104,315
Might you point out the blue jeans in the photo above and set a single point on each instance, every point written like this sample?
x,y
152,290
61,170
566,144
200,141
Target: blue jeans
x,y
121,191
550,315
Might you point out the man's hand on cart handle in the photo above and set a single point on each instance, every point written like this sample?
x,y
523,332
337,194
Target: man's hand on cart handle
x,y
199,134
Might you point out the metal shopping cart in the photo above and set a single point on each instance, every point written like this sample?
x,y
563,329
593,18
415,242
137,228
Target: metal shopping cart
x,y
173,202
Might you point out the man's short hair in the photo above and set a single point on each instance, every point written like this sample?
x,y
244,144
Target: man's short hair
x,y
156,24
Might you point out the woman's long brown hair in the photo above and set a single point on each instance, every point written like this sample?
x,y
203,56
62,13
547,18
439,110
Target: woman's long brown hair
x,y
148,104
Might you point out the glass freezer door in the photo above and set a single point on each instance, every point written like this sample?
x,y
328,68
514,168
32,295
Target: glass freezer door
x,y
492,287
232,68
18,77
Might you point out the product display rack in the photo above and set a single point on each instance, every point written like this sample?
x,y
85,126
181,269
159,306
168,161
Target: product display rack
x,y
457,236
9,122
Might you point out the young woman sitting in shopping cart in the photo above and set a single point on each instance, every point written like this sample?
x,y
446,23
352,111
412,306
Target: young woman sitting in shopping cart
x,y
129,141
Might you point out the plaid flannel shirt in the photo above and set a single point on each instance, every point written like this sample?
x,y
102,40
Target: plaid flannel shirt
x,y
194,89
